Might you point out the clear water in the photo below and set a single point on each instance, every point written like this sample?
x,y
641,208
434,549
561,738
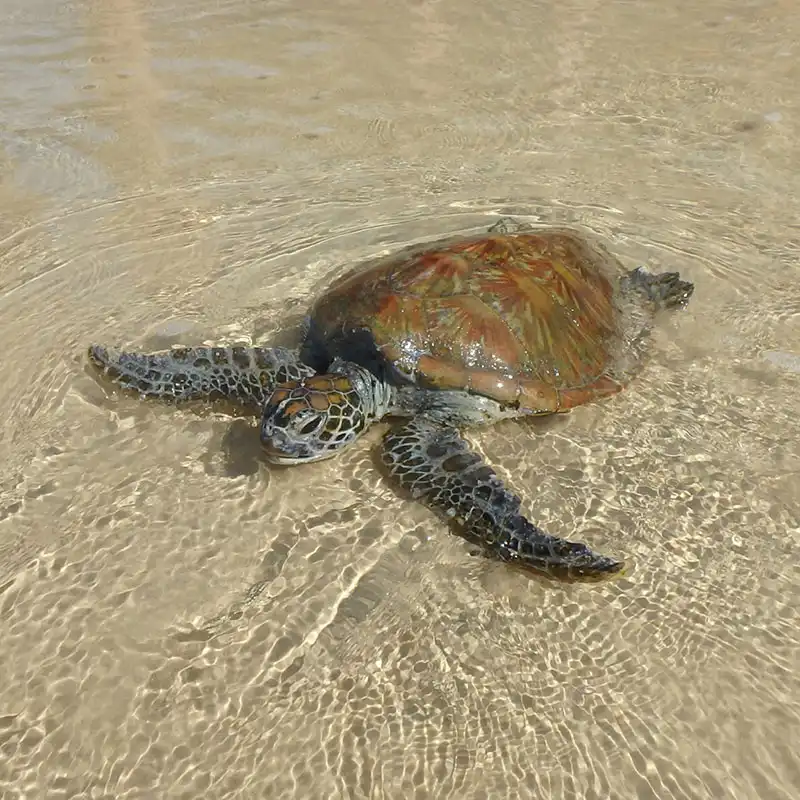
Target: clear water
x,y
179,620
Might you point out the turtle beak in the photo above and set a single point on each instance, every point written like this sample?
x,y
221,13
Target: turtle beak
x,y
277,456
279,448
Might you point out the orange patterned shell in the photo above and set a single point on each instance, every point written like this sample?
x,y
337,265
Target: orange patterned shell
x,y
528,319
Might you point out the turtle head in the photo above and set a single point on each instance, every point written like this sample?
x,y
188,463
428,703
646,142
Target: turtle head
x,y
313,418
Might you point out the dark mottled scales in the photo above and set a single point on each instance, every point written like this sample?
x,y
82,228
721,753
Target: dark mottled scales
x,y
242,374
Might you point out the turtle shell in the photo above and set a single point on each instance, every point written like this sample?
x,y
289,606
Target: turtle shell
x,y
528,319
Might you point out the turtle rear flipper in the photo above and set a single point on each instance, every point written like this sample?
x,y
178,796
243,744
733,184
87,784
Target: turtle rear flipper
x,y
432,461
665,289
244,375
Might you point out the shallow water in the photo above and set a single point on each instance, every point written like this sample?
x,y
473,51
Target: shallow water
x,y
180,620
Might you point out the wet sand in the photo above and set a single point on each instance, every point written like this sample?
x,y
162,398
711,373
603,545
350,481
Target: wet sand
x,y
180,620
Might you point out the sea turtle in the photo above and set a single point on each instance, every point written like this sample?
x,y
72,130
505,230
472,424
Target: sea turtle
x,y
445,335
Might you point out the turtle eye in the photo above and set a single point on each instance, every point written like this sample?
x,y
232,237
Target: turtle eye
x,y
308,427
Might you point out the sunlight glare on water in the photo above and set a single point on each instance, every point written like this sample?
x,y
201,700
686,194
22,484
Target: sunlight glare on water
x,y
181,620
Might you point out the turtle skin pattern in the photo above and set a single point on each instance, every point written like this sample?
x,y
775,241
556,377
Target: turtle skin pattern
x,y
245,375
436,465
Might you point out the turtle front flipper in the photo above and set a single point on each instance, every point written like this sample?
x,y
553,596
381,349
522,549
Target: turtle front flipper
x,y
244,375
433,462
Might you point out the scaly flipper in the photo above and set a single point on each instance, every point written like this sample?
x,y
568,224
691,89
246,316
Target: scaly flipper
x,y
433,462
665,289
244,375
